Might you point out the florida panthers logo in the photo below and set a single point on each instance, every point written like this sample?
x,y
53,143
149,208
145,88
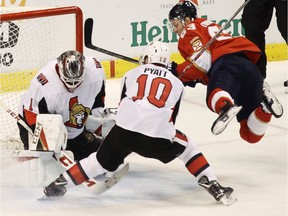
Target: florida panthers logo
x,y
77,114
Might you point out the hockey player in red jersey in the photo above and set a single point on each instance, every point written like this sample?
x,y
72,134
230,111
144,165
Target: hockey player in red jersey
x,y
74,87
150,100
228,68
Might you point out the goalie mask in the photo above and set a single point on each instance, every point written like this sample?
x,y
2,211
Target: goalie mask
x,y
155,52
182,10
71,69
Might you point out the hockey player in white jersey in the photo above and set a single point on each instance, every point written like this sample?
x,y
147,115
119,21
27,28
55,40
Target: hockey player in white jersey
x,y
74,87
147,112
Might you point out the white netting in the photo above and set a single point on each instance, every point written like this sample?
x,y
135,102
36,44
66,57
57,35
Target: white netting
x,y
27,45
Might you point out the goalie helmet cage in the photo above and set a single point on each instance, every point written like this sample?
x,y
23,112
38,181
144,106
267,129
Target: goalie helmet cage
x,y
30,38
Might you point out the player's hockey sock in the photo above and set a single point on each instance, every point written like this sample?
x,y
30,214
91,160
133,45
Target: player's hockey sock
x,y
86,168
219,99
253,129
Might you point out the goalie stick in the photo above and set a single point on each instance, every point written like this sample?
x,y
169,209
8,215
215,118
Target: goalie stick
x,y
67,162
88,29
212,39
45,155
20,121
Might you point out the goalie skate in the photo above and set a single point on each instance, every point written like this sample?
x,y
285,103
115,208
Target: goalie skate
x,y
57,188
224,118
271,102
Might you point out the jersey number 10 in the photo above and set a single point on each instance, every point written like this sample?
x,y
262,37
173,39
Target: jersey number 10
x,y
158,92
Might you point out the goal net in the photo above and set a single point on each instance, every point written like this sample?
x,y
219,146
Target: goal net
x,y
29,38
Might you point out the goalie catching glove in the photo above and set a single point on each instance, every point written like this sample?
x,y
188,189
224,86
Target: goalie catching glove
x,y
101,120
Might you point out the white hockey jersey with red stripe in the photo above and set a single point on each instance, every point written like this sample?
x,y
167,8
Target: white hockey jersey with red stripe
x,y
48,94
150,101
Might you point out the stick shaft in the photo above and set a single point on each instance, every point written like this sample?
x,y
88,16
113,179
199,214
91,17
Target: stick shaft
x,y
88,29
15,116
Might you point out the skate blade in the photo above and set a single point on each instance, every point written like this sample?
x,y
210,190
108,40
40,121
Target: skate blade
x,y
46,198
277,109
228,200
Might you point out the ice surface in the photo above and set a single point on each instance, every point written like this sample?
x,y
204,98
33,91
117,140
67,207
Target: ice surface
x,y
257,172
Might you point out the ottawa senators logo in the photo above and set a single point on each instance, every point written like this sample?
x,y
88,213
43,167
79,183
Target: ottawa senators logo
x,y
78,114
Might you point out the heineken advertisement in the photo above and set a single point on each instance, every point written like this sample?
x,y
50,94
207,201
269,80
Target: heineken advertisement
x,y
126,26
142,32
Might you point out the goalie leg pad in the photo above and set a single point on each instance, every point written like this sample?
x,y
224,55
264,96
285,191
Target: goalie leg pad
x,y
37,168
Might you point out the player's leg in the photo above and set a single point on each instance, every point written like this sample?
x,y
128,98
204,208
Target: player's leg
x,y
83,145
108,158
254,117
256,19
223,88
198,166
281,15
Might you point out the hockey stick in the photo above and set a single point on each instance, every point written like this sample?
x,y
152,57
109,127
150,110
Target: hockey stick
x,y
67,162
33,144
213,39
15,116
88,29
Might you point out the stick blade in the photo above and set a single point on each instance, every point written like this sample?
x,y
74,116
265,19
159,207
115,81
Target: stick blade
x,y
88,28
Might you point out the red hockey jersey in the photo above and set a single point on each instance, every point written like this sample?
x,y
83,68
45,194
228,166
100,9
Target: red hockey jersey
x,y
196,35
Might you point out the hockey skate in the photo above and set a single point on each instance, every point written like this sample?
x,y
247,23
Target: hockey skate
x,y
219,193
228,112
271,102
56,188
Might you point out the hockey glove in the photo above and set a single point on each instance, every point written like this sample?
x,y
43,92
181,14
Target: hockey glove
x,y
172,67
191,84
110,111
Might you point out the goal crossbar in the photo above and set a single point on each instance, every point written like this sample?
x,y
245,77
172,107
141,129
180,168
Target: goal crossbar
x,y
52,12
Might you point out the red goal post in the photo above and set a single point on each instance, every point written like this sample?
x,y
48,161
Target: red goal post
x,y
29,38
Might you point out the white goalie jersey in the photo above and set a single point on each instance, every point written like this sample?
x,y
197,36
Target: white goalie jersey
x,y
150,101
47,94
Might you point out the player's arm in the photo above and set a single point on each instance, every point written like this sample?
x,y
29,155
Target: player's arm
x,y
189,48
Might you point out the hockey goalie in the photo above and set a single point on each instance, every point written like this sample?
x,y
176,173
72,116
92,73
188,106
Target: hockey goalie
x,y
63,109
